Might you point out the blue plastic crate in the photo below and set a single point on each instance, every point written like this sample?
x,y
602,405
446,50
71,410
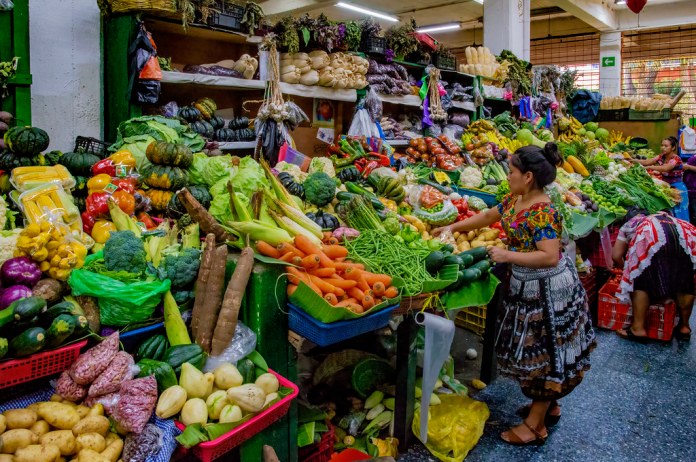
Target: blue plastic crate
x,y
132,339
327,334
488,198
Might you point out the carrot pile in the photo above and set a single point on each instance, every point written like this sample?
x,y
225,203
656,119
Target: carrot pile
x,y
324,269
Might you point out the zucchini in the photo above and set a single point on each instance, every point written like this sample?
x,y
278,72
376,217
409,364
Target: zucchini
x,y
28,342
453,260
345,196
248,370
153,348
163,372
434,262
458,283
61,328
478,253
81,325
4,346
27,308
484,266
47,317
177,355
443,189
470,275
355,189
466,260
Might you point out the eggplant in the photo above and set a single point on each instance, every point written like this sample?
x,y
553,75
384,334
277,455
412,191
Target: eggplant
x,y
20,270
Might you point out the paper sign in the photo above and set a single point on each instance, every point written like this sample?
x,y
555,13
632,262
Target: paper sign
x,y
326,135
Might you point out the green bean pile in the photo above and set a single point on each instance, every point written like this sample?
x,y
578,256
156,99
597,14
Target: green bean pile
x,y
381,253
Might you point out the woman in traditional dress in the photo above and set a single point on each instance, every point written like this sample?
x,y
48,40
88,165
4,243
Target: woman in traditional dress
x,y
668,164
544,336
658,256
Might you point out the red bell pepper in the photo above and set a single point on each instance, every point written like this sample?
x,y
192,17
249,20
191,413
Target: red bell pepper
x,y
383,160
104,166
360,164
125,184
88,222
97,205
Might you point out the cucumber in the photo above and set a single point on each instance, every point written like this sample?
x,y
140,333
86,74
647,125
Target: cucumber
x,y
466,259
434,262
478,253
458,283
484,266
180,354
61,328
453,260
470,275
443,189
4,346
344,196
153,348
355,189
163,372
28,342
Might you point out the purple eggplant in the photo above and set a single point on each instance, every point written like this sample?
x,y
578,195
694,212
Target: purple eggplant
x,y
12,294
20,270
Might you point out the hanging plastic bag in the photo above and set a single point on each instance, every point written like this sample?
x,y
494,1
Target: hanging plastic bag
x,y
144,72
241,345
6,5
454,426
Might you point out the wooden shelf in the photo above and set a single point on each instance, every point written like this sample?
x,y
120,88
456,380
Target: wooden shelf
x,y
237,145
397,143
199,31
244,84
404,100
465,105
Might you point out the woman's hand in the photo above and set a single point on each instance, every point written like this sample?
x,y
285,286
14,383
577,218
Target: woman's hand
x,y
499,255
437,231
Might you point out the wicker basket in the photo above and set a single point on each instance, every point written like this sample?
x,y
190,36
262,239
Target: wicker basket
x,y
415,303
155,7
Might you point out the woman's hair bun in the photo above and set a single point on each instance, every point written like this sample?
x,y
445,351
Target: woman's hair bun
x,y
552,155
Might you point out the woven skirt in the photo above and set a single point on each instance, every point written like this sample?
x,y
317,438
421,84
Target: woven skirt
x,y
544,334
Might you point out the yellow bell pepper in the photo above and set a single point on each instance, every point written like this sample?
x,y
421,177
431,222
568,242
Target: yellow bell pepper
x,y
123,157
102,230
98,183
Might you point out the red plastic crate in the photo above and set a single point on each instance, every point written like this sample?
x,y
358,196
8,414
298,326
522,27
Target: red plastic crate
x,y
614,315
321,451
212,450
597,256
38,365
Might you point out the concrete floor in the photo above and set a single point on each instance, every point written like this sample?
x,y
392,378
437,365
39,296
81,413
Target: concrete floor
x,y
637,403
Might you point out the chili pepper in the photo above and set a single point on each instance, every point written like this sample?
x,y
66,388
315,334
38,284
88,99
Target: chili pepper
x,y
383,160
87,222
104,166
97,204
334,149
360,164
371,165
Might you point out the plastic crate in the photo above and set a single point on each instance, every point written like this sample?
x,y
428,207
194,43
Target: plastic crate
x,y
472,318
217,448
132,339
374,45
448,63
97,147
600,257
327,334
612,115
664,114
488,198
321,451
42,364
226,15
614,315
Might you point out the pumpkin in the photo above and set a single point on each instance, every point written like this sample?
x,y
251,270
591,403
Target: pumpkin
x,y
164,177
26,141
9,160
239,122
225,135
164,153
159,198
189,113
201,194
207,107
80,188
203,128
293,187
246,134
79,163
217,122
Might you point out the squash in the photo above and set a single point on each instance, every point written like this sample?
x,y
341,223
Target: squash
x,y
189,114
207,107
577,166
9,160
26,141
79,163
239,122
153,348
567,167
217,122
245,134
159,198
226,135
250,398
203,128
293,187
165,177
164,153
201,194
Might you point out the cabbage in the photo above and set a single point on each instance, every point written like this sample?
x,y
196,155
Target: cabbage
x,y
137,145
590,135
209,170
602,134
525,136
545,135
591,126
322,164
161,129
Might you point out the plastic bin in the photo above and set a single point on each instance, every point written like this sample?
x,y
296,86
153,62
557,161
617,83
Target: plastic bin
x,y
488,198
374,45
327,334
225,15
472,318
612,115
663,114
321,451
38,365
93,145
217,448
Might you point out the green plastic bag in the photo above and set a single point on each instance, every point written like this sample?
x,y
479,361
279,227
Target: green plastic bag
x,y
454,427
120,303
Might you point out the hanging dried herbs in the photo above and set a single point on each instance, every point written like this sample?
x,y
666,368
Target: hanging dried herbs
x,y
287,36
519,74
326,33
8,69
401,39
370,28
353,35
253,14
567,83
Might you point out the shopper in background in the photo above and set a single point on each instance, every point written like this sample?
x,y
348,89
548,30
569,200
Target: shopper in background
x,y
658,256
668,163
690,182
544,336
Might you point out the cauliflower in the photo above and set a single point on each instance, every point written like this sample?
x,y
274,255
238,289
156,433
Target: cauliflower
x,y
297,174
8,242
181,267
471,177
124,251
322,164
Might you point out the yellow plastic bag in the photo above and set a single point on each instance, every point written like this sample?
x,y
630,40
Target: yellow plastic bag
x,y
454,426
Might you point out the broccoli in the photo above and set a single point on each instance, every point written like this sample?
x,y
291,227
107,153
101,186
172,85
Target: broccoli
x,y
319,188
124,251
181,267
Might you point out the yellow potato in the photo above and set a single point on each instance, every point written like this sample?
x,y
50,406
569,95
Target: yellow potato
x,y
56,398
97,409
3,423
92,424
12,440
82,411
20,418
471,235
34,407
477,244
37,453
490,235
59,415
64,439
6,458
93,441
113,451
40,428
465,246
456,235
111,437
89,455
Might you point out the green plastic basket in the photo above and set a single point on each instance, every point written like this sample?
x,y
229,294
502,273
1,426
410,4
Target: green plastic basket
x,y
369,374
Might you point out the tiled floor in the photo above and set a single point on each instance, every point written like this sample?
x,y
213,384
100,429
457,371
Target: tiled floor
x,y
637,404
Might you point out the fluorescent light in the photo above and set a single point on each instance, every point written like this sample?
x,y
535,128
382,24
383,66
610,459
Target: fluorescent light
x,y
443,27
362,10
479,1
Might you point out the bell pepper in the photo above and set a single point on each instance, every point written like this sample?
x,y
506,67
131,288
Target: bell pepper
x,y
123,157
104,166
87,222
98,183
125,184
102,230
383,160
126,201
97,205
147,220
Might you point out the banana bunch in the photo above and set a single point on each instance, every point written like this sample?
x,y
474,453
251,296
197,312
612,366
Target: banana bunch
x,y
568,137
481,126
8,69
509,144
615,136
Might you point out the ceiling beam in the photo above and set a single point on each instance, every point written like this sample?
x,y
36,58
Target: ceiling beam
x,y
597,15
656,16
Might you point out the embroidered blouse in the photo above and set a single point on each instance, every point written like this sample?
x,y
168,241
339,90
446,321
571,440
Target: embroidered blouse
x,y
526,227
675,175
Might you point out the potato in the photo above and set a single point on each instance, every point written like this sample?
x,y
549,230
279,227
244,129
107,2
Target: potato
x,y
82,411
111,437
12,440
69,403
92,424
113,451
97,409
6,458
471,235
93,441
476,244
37,453
89,455
62,459
59,415
33,407
20,418
490,235
64,439
56,398
3,423
40,428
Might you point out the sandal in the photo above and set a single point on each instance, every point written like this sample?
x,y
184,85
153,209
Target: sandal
x,y
633,337
550,420
681,336
514,439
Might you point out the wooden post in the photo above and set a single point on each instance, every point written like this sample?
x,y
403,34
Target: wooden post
x,y
405,381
